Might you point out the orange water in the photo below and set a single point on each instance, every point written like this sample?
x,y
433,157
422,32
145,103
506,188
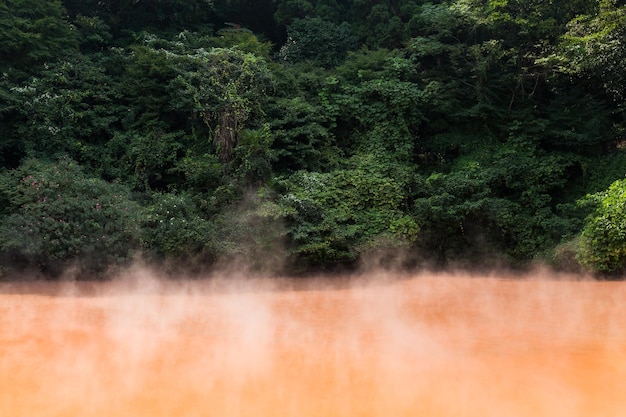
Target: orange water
x,y
421,346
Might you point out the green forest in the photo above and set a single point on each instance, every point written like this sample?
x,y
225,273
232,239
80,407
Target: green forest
x,y
311,135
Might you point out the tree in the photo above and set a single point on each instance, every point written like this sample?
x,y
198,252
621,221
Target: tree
x,y
300,124
289,10
378,103
386,24
94,33
156,15
592,48
602,245
73,107
33,32
223,88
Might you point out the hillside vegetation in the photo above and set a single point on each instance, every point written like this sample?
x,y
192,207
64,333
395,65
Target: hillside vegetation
x,y
312,134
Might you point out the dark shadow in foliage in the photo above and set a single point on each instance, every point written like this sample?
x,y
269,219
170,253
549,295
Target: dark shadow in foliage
x,y
322,43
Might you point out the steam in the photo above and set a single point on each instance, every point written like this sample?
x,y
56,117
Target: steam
x,y
376,344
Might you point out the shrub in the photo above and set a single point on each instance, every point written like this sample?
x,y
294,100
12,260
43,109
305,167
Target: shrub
x,y
602,245
173,227
333,217
57,215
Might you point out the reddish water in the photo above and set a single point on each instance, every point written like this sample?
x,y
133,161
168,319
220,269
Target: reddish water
x,y
423,346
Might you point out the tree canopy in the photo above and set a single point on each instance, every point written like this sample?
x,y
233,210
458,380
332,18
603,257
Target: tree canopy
x,y
312,133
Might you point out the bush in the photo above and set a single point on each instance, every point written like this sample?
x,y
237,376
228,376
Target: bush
x,y
336,216
173,227
602,245
56,215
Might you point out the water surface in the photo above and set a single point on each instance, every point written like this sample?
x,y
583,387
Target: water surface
x,y
423,345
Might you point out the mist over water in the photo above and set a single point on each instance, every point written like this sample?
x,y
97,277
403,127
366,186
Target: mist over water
x,y
374,345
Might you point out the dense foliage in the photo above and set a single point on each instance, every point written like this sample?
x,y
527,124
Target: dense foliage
x,y
56,215
310,134
602,240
